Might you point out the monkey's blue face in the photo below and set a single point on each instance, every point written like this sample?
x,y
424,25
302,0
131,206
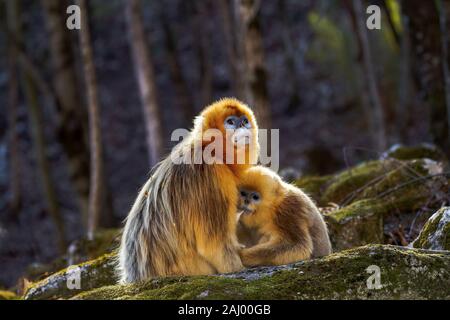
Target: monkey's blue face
x,y
240,126
235,122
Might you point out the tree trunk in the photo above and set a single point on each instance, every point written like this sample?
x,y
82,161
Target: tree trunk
x,y
96,178
404,89
37,130
254,56
36,120
236,59
183,97
371,81
391,23
426,43
444,14
146,80
15,199
203,44
72,131
290,56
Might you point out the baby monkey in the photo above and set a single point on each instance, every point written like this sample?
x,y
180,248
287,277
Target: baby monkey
x,y
278,223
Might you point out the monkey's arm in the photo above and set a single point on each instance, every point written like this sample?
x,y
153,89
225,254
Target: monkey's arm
x,y
276,252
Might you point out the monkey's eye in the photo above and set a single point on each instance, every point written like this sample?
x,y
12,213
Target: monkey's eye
x,y
245,121
230,121
243,193
255,197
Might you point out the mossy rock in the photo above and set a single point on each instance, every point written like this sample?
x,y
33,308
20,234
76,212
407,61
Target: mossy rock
x,y
357,224
38,271
63,284
403,188
104,241
435,235
8,295
380,177
313,185
81,250
343,185
421,151
404,274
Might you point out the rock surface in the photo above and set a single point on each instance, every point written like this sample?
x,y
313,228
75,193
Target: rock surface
x,y
8,295
368,195
368,202
435,235
63,284
404,274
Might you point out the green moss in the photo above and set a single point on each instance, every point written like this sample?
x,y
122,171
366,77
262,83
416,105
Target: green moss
x,y
436,232
313,185
379,189
343,185
104,241
423,151
401,179
8,295
361,222
405,274
92,274
357,224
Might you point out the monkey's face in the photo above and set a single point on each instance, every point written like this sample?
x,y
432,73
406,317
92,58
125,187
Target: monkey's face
x,y
249,200
240,129
260,190
237,125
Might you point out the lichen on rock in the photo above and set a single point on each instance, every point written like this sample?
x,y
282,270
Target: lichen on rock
x,y
8,295
404,274
367,200
374,191
63,284
435,235
421,151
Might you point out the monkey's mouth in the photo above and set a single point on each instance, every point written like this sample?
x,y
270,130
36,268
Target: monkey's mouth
x,y
244,210
241,137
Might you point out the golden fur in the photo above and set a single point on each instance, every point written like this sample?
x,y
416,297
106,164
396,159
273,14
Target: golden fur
x,y
183,221
283,227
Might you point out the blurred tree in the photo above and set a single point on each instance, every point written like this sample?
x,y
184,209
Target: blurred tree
x,y
234,48
390,20
377,112
291,57
249,11
96,169
426,43
405,83
72,131
183,96
37,133
146,79
200,29
444,14
15,199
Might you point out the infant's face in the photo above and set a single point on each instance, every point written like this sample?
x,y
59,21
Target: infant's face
x,y
249,201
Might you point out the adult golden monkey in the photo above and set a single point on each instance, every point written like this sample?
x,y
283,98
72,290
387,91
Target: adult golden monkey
x,y
183,221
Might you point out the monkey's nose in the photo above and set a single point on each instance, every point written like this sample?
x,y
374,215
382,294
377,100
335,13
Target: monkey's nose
x,y
246,202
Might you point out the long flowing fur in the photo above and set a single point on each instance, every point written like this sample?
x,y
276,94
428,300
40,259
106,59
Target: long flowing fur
x,y
183,220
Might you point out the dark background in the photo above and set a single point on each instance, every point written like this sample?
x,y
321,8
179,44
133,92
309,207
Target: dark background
x,y
316,79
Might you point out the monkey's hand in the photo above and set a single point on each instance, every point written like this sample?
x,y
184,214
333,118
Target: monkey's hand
x,y
274,253
258,255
